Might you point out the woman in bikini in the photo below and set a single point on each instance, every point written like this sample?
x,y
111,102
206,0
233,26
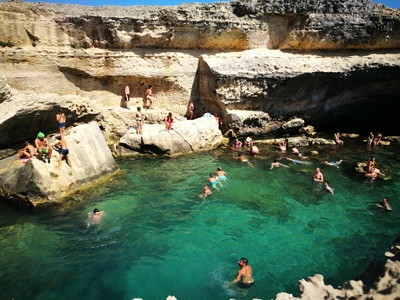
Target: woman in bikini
x,y
139,121
169,121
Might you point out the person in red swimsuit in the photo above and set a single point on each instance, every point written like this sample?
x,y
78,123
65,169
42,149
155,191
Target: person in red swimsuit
x,y
169,121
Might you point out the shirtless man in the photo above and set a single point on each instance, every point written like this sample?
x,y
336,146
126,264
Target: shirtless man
x,y
191,110
245,274
149,96
214,181
276,164
248,142
283,144
221,174
318,177
61,118
64,151
127,94
206,192
27,152
43,147
336,138
95,217
333,163
328,188
297,152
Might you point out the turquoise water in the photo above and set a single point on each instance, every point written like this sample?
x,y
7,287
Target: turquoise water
x,y
158,238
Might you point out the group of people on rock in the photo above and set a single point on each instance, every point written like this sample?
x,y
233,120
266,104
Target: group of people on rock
x,y
44,148
374,140
148,98
216,178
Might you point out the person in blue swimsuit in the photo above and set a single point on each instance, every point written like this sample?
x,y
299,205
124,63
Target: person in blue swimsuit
x,y
296,161
221,174
333,163
214,181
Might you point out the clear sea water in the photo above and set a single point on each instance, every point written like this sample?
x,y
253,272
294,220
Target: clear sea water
x,y
158,238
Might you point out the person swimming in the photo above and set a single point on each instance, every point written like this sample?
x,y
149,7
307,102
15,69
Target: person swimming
x,y
206,192
95,216
384,204
214,181
244,275
333,163
221,174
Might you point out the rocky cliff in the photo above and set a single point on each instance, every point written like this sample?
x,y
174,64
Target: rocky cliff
x,y
219,55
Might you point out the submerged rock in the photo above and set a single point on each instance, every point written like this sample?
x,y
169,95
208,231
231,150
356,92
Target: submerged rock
x,y
36,182
186,137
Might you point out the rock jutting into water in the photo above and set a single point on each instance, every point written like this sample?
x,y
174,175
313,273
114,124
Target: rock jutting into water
x,y
34,182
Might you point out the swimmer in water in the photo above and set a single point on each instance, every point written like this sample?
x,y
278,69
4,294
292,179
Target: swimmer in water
x,y
384,204
206,192
276,164
241,157
221,174
95,217
328,188
318,177
296,161
244,275
214,181
333,163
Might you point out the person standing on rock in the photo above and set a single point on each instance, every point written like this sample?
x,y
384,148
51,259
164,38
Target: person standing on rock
x,y
61,119
244,275
139,121
169,121
64,151
149,96
43,147
127,95
191,110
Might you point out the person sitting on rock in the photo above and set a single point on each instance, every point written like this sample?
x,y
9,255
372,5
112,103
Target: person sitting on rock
x,y
370,139
254,150
64,151
282,144
27,152
43,147
336,138
191,110
248,142
371,164
377,140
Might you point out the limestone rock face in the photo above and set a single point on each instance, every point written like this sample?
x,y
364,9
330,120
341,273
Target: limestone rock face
x,y
320,89
36,183
186,137
24,115
379,281
5,91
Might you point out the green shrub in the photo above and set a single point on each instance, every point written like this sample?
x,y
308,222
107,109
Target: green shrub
x,y
6,44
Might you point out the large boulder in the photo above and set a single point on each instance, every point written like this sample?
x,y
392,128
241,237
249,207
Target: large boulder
x,y
186,137
34,182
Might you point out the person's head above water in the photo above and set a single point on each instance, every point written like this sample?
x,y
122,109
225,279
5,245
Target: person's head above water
x,y
95,210
275,161
244,261
40,135
219,169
